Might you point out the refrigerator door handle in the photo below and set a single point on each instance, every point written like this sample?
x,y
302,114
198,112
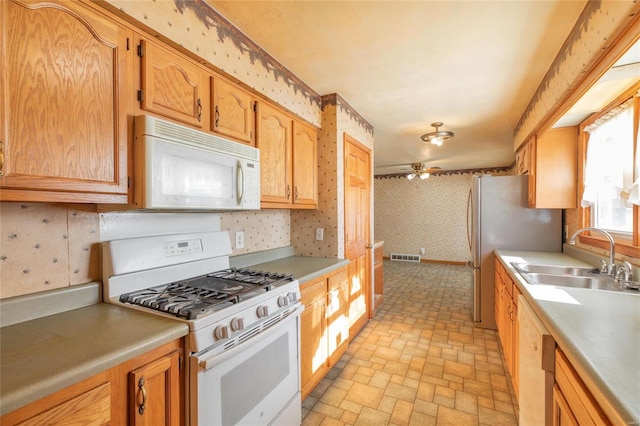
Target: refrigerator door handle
x,y
471,266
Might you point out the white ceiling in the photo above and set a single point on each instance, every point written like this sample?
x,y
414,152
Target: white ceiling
x,y
473,65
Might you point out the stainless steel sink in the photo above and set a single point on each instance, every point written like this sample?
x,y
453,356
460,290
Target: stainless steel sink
x,y
594,282
527,268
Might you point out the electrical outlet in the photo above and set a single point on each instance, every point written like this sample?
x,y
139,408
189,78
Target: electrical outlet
x,y
319,234
240,239
422,251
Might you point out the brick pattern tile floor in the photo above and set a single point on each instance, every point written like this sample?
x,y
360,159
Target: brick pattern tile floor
x,y
419,361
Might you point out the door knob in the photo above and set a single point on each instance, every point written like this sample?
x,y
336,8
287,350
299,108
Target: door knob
x,y
369,246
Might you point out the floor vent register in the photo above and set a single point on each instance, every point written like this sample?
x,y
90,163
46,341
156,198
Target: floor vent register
x,y
405,257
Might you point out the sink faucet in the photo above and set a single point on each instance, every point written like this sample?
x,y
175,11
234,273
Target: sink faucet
x,y
609,269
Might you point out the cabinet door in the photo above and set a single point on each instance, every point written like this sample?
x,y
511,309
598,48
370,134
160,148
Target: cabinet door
x,y
554,169
273,130
562,415
63,128
172,85
313,340
154,392
305,166
337,315
232,111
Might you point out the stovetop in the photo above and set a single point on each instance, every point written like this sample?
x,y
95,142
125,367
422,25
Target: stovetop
x,y
198,296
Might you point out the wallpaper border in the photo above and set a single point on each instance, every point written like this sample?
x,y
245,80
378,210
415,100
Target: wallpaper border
x,y
226,30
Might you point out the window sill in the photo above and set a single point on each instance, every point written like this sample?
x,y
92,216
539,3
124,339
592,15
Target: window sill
x,y
622,247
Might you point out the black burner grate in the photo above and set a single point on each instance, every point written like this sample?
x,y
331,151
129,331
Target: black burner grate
x,y
200,295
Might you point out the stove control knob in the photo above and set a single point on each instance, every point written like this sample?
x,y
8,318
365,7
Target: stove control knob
x,y
283,301
237,324
263,311
221,332
293,297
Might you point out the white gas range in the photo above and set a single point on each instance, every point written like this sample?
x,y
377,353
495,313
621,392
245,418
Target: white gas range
x,y
243,344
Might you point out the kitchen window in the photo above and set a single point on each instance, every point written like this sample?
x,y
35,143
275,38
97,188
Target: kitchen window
x,y
610,188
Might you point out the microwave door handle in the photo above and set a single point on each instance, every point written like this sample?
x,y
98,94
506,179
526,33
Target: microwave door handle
x,y
240,184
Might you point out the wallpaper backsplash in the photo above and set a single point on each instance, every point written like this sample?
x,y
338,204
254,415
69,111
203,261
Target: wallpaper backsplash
x,y
429,214
47,246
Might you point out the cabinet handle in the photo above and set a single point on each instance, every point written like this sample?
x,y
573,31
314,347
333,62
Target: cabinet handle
x,y
144,395
295,196
199,110
1,158
288,192
215,124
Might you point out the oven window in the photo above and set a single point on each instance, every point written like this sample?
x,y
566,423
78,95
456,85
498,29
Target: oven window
x,y
250,382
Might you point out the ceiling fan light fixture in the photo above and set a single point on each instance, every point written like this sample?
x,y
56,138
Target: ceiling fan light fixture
x,y
424,175
419,170
438,137
411,176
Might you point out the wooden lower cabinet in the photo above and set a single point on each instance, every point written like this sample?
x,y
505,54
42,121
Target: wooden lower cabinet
x,y
324,326
506,310
113,396
573,403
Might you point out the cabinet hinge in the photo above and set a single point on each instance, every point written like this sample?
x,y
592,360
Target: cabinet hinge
x,y
128,45
255,106
140,95
128,181
180,363
140,50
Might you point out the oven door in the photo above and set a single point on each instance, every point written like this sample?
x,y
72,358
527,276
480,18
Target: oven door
x,y
256,382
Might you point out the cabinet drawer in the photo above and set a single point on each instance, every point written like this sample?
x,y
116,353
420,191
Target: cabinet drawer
x,y
312,291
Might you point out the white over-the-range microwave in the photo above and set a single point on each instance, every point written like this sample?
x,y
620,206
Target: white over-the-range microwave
x,y
178,168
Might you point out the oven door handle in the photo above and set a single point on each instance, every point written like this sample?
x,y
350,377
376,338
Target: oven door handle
x,y
208,362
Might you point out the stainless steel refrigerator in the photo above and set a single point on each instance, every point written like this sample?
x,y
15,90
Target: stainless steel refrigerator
x,y
498,218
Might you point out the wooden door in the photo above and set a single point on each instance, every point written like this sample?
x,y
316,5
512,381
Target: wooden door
x,y
357,212
313,337
337,315
273,130
172,86
64,111
305,165
154,397
232,111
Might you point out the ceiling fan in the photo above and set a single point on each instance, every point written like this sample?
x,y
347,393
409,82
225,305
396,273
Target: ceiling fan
x,y
421,170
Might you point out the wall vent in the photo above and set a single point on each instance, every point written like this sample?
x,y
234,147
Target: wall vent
x,y
405,257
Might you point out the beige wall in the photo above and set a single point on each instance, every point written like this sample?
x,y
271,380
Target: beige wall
x,y
429,214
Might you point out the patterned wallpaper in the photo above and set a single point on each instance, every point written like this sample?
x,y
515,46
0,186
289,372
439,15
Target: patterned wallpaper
x,y
47,246
598,25
429,214
338,117
263,229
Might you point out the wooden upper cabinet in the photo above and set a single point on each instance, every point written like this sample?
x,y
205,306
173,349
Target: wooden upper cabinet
x,y
172,85
305,165
66,70
273,129
288,160
553,169
232,111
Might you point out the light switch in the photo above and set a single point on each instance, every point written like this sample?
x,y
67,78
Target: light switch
x,y
319,234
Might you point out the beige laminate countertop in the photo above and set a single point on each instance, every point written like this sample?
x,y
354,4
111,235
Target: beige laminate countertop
x,y
44,355
303,268
599,331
